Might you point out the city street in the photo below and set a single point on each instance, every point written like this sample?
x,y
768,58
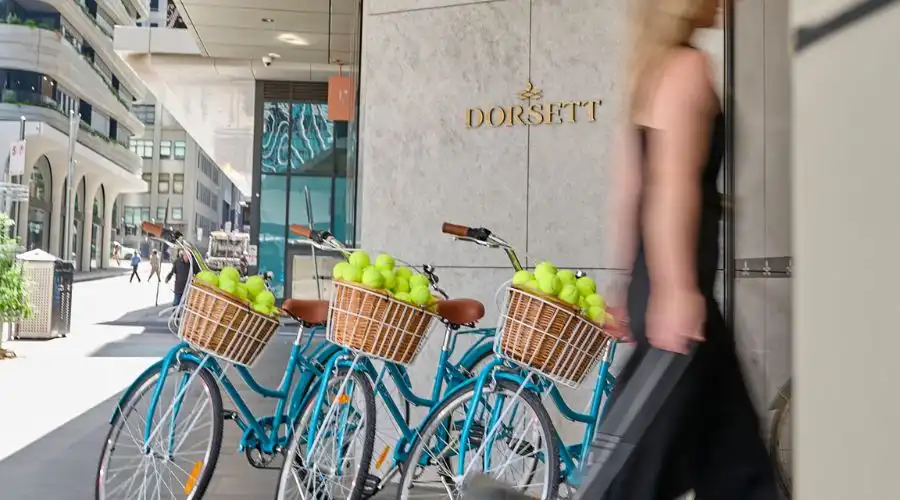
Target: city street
x,y
57,396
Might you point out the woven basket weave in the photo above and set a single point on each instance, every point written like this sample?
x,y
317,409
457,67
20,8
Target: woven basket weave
x,y
220,324
371,322
548,335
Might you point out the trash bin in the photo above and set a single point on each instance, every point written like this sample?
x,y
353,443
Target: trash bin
x,y
63,278
39,269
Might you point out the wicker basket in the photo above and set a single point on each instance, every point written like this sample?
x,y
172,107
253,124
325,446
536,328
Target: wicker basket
x,y
371,322
220,324
549,336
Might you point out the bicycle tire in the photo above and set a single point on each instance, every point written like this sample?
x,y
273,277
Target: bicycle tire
x,y
358,484
441,411
782,417
148,381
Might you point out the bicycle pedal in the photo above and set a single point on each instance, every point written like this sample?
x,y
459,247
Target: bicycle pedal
x,y
229,415
371,486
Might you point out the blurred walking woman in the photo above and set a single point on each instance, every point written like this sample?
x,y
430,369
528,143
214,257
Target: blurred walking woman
x,y
706,436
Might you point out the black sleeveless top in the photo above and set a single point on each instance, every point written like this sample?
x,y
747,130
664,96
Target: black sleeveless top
x,y
707,236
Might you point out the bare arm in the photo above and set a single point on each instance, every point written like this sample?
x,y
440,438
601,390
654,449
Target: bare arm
x,y
625,199
680,116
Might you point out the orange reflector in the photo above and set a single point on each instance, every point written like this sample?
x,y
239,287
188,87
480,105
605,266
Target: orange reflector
x,y
342,399
382,457
192,479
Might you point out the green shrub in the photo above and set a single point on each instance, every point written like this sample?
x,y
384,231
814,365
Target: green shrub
x,y
13,295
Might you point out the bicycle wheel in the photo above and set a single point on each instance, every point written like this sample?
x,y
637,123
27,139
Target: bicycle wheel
x,y
519,445
183,453
780,446
342,447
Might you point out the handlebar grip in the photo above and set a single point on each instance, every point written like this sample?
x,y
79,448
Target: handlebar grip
x,y
455,230
152,229
301,230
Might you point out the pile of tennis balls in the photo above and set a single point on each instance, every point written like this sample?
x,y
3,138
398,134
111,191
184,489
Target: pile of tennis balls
x,y
251,292
400,282
565,286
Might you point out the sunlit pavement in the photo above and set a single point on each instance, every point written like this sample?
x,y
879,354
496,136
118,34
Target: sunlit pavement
x,y
56,398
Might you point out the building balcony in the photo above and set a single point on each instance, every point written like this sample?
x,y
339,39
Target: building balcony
x,y
117,9
142,7
39,108
49,53
101,39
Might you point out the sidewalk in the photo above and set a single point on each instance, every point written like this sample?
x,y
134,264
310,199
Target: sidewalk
x,y
99,274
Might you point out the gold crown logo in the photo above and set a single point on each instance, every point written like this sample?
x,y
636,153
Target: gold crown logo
x,y
531,93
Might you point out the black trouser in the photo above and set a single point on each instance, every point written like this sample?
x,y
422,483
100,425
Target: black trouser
x,y
134,274
705,437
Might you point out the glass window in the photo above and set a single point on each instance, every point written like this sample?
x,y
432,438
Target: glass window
x,y
177,213
272,229
275,147
165,149
160,213
312,137
163,184
148,178
145,113
178,184
320,198
142,147
179,150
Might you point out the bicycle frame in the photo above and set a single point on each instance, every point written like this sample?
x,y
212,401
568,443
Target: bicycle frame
x,y
289,402
447,374
570,455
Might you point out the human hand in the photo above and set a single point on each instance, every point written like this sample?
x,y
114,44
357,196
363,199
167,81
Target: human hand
x,y
675,318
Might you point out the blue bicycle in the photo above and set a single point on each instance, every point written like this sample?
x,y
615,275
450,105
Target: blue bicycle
x,y
331,453
166,430
497,423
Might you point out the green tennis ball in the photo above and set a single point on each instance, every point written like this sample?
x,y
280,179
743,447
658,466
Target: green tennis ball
x,y
569,294
338,272
420,295
595,300
522,277
403,297
360,259
596,314
255,286
261,308
404,272
390,279
372,278
384,262
229,273
586,286
581,303
228,286
241,292
567,277
550,284
353,273
533,286
208,277
419,280
266,298
545,268
402,285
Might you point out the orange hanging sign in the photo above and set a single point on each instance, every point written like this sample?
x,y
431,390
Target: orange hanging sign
x,y
340,98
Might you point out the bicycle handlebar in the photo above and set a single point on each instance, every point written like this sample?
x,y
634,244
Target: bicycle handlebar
x,y
483,237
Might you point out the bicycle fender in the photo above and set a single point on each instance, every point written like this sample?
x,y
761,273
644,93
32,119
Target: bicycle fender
x,y
473,354
155,367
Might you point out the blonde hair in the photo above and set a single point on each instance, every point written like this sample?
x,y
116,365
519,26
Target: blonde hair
x,y
658,26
